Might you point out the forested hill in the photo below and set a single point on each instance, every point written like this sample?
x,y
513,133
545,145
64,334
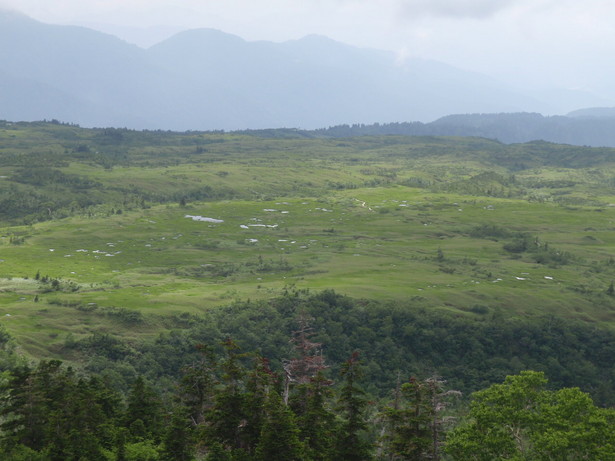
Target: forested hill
x,y
576,129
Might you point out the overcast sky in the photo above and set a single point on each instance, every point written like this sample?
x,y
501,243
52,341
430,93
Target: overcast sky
x,y
567,43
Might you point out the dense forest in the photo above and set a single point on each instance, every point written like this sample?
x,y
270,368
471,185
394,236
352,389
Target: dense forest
x,y
318,377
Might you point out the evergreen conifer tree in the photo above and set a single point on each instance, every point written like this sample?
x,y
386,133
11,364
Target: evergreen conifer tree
x,y
351,440
177,440
279,440
144,411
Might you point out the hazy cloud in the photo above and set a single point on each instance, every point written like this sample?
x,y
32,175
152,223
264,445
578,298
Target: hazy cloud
x,y
454,8
564,42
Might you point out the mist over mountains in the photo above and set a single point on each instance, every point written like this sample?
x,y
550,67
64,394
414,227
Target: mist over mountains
x,y
205,79
587,127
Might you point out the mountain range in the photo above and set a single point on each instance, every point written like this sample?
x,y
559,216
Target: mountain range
x,y
204,79
587,127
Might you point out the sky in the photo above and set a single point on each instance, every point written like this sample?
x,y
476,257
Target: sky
x,y
569,44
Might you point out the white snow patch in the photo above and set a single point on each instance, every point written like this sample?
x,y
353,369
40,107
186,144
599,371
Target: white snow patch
x,y
204,219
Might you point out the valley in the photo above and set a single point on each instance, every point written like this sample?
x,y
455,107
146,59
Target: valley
x,y
187,222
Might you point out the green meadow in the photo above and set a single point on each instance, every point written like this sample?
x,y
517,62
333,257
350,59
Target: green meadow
x,y
122,232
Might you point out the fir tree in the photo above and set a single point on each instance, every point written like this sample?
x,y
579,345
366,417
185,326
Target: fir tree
x,y
310,392
144,411
177,440
226,419
120,451
260,382
196,388
50,410
413,425
351,440
279,440
315,418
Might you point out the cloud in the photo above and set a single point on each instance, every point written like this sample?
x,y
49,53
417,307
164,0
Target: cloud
x,y
477,9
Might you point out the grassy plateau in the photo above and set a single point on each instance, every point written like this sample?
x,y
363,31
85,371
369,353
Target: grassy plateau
x,y
121,231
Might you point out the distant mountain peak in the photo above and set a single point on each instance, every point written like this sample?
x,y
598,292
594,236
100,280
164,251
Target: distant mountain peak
x,y
318,38
202,34
205,78
320,42
10,15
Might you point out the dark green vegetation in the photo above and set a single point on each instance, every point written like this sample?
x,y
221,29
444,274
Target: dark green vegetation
x,y
229,405
521,419
460,258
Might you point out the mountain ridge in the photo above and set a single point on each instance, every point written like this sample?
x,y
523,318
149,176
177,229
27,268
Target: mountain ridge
x,y
204,79
508,128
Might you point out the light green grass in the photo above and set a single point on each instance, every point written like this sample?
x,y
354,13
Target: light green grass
x,y
345,218
158,259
